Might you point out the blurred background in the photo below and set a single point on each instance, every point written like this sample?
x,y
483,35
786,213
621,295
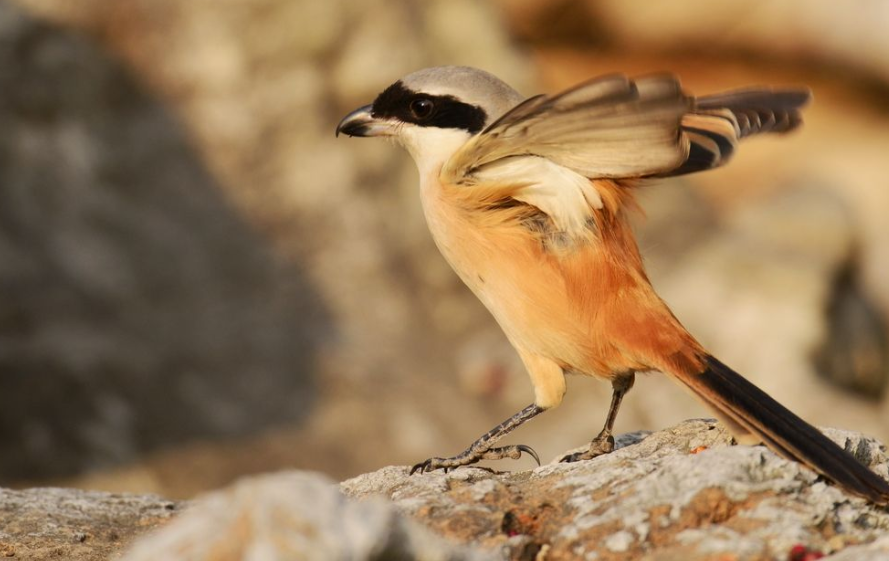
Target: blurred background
x,y
198,281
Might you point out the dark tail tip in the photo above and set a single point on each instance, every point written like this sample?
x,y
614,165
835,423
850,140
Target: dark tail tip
x,y
786,433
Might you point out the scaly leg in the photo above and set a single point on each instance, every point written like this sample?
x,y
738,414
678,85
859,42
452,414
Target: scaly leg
x,y
604,442
481,448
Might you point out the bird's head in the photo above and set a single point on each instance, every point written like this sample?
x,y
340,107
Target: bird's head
x,y
432,112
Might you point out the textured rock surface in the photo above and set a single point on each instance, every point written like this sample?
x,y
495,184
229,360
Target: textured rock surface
x,y
39,524
681,493
294,516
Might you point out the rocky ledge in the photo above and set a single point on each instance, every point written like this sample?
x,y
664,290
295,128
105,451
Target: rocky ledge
x,y
70,524
683,493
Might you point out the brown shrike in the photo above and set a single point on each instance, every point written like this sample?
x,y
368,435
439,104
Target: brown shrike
x,y
528,200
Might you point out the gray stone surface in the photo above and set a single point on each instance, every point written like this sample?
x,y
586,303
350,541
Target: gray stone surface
x,y
48,523
680,493
683,493
297,515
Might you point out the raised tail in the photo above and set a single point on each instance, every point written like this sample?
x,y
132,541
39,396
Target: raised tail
x,y
748,409
718,122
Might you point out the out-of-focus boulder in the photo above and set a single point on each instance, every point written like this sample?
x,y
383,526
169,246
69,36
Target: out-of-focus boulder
x,y
137,307
295,515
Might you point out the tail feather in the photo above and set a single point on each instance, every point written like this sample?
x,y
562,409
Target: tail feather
x,y
759,110
718,122
749,408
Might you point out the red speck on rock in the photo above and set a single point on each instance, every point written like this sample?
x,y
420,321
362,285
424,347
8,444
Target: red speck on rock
x,y
800,552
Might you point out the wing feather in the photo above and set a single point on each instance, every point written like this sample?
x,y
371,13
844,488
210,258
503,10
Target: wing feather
x,y
718,122
548,150
605,128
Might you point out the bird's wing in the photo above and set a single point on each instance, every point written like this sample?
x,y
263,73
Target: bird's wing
x,y
609,127
548,148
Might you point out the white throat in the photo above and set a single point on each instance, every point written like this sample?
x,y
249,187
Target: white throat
x,y
430,147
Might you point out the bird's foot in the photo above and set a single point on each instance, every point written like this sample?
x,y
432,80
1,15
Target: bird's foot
x,y
472,456
601,445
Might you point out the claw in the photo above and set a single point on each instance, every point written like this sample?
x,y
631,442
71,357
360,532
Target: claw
x,y
530,451
601,445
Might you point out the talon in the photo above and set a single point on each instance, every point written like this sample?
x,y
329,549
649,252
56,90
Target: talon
x,y
530,451
432,464
570,458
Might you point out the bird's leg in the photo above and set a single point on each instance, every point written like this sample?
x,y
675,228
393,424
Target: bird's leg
x,y
481,449
604,442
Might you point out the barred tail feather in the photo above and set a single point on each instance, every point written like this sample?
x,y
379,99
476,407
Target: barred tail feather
x,y
718,122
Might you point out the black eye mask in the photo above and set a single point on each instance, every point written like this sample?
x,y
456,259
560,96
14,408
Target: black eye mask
x,y
441,111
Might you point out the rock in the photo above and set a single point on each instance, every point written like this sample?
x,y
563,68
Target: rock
x,y
295,515
793,29
855,354
680,493
878,550
38,524
138,308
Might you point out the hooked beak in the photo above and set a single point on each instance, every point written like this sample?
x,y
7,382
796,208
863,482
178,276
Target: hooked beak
x,y
361,122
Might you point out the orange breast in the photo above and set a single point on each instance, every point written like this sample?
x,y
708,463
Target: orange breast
x,y
589,308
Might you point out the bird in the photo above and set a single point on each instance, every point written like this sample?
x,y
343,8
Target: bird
x,y
528,200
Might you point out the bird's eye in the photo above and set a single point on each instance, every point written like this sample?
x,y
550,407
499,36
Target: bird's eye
x,y
422,108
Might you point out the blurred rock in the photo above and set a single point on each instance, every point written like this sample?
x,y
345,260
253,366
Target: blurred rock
x,y
137,309
551,22
294,515
850,38
757,291
73,525
855,354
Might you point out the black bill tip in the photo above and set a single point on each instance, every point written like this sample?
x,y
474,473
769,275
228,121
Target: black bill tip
x,y
357,123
